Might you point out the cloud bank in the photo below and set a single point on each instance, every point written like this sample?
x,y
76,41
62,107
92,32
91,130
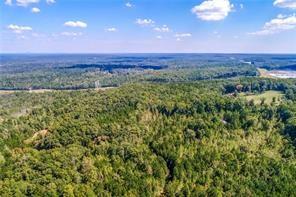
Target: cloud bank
x,y
291,4
18,29
277,25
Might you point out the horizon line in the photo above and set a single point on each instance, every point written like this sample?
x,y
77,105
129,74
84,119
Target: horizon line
x,y
138,53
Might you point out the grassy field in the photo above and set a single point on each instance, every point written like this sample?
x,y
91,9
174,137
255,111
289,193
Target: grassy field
x,y
268,96
264,73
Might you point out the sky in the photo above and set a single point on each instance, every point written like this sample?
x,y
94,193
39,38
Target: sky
x,y
147,26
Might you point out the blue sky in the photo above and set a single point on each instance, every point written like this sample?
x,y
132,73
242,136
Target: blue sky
x,y
123,26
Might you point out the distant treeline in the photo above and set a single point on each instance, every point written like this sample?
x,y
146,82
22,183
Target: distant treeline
x,y
111,67
288,67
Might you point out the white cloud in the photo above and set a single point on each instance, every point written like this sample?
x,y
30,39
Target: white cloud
x,y
111,29
8,2
164,28
50,1
159,37
18,29
35,10
144,22
22,37
73,34
285,4
182,35
37,35
217,34
281,16
75,24
213,10
25,3
279,24
129,5
241,6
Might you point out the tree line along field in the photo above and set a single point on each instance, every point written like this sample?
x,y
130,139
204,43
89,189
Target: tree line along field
x,y
181,139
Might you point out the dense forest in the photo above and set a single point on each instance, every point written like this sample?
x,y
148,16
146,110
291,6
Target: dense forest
x,y
150,139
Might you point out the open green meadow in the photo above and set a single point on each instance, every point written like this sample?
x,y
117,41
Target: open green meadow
x,y
268,97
